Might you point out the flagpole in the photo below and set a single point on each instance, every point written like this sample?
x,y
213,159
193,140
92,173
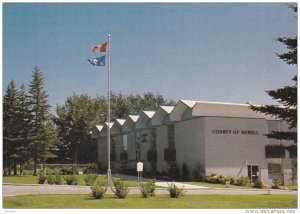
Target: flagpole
x,y
108,117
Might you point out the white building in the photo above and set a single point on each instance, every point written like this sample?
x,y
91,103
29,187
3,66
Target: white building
x,y
224,138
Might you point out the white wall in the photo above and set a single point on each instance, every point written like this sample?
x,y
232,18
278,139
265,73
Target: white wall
x,y
230,152
161,145
189,143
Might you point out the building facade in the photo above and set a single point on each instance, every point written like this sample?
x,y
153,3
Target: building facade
x,y
223,138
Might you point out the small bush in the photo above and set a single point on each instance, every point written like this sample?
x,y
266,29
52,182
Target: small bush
x,y
70,179
121,190
242,181
90,179
42,178
220,179
258,184
148,188
175,191
91,169
57,179
98,189
231,179
67,171
198,173
276,182
50,179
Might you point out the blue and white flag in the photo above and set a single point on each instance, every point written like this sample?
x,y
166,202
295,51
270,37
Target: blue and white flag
x,y
100,61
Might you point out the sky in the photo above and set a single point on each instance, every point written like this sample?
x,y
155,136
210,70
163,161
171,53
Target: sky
x,y
223,52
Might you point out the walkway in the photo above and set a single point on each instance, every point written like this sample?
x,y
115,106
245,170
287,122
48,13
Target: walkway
x,y
28,189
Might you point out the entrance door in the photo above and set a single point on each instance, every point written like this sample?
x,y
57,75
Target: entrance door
x,y
253,173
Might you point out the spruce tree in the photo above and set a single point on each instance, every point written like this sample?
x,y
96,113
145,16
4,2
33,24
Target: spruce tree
x,y
40,111
286,96
10,130
24,125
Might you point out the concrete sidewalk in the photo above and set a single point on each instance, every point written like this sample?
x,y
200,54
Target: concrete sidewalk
x,y
29,189
12,189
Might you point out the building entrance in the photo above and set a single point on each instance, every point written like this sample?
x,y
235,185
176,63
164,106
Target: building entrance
x,y
253,173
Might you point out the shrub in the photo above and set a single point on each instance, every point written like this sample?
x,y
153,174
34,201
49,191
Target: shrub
x,y
70,179
231,179
258,184
98,189
148,188
57,179
220,179
276,182
121,190
67,171
91,169
242,181
198,173
90,179
42,178
50,179
212,178
175,191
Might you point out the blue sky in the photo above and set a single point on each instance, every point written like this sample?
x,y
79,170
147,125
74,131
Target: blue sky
x,y
200,51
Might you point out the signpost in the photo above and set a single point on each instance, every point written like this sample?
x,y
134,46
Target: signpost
x,y
139,169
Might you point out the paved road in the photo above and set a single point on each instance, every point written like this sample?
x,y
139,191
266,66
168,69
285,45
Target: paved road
x,y
27,189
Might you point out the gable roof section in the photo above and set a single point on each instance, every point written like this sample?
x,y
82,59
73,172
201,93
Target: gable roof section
x,y
142,122
104,129
96,131
161,114
117,127
129,124
219,109
180,107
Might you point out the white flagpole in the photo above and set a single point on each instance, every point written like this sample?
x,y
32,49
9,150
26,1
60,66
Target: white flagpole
x,y
108,117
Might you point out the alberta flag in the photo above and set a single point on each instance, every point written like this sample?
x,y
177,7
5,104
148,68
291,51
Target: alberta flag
x,y
100,61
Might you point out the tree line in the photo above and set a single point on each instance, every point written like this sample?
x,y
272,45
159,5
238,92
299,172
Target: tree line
x,y
31,134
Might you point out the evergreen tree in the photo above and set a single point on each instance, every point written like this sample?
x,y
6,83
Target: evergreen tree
x,y
286,96
24,126
40,144
10,130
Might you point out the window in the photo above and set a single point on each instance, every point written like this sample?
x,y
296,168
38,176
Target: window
x,y
125,142
275,151
274,168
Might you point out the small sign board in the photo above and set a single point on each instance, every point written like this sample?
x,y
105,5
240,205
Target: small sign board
x,y
139,167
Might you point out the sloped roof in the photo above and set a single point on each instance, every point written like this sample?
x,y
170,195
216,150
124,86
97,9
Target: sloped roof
x,y
105,127
129,124
160,114
180,107
117,127
143,120
96,131
220,109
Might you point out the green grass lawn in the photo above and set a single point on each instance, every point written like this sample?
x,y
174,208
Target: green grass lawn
x,y
30,179
159,201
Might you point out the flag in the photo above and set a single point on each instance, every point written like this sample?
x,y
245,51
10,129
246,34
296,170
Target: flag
x,y
100,48
100,61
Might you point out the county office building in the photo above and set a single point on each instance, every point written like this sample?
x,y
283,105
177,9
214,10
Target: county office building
x,y
224,138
